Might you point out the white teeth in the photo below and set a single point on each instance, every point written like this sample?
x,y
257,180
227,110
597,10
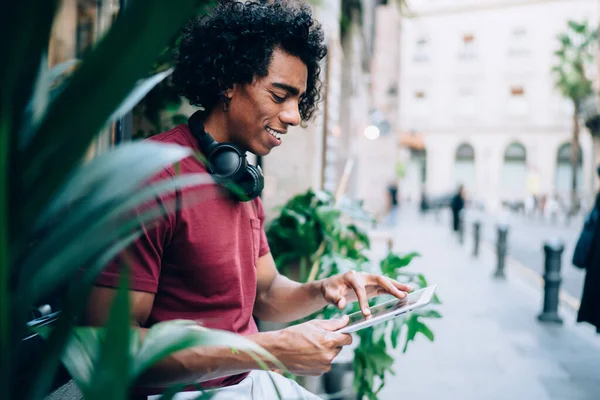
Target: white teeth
x,y
273,133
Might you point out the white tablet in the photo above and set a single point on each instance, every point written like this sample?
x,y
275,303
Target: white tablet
x,y
388,310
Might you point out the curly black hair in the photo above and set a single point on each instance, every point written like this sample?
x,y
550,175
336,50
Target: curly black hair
x,y
235,43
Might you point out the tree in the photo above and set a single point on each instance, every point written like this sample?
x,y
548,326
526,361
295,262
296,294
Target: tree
x,y
575,58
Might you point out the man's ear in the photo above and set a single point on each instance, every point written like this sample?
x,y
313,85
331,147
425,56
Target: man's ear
x,y
229,92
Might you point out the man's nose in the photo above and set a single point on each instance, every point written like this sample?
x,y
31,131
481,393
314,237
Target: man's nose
x,y
291,115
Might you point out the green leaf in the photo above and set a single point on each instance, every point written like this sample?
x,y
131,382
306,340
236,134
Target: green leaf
x,y
361,235
424,329
393,262
24,36
131,45
203,396
45,365
169,337
45,87
118,172
327,215
55,266
140,90
81,355
560,53
111,376
396,330
428,314
381,359
5,267
172,391
414,327
411,332
421,280
577,27
564,39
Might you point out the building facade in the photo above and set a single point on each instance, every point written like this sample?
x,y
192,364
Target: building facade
x,y
478,95
377,157
316,156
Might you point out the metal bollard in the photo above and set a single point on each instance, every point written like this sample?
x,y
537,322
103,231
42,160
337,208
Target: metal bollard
x,y
553,253
476,237
501,248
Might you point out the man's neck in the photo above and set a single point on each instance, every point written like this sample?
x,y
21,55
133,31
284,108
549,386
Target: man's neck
x,y
216,125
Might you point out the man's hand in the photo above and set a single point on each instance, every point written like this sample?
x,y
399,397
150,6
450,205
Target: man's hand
x,y
352,286
309,348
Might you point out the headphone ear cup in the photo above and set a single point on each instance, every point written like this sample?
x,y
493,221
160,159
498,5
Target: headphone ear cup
x,y
251,184
227,163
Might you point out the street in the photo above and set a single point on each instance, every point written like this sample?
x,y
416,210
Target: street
x,y
489,343
526,239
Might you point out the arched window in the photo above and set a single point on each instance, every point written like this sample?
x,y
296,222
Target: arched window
x,y
564,174
465,152
464,167
514,173
564,154
515,152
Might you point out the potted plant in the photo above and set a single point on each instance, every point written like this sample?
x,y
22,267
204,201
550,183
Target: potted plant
x,y
314,237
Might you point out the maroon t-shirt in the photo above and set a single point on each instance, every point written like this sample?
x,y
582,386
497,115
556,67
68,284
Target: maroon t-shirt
x,y
199,261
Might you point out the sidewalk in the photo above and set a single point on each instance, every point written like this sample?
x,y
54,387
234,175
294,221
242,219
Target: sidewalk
x,y
489,344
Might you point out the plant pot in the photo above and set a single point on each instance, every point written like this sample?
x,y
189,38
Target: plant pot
x,y
339,381
311,383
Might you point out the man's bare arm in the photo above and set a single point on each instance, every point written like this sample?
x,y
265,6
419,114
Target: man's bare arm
x,y
196,364
280,299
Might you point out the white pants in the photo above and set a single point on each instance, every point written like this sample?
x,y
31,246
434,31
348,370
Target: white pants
x,y
258,385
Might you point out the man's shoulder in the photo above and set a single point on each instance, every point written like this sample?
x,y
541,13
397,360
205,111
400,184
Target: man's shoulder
x,y
180,135
176,135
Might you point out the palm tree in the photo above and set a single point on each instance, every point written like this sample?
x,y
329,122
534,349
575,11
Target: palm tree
x,y
575,58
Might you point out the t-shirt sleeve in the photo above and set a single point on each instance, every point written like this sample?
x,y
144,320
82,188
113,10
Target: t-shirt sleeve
x,y
264,244
144,256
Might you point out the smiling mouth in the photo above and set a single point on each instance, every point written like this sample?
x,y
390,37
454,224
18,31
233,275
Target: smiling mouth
x,y
274,133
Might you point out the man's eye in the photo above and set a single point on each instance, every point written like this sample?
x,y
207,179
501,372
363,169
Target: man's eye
x,y
278,99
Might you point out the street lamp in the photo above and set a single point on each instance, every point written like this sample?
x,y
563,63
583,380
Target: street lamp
x,y
372,132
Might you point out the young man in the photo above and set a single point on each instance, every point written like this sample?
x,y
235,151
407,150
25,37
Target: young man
x,y
253,70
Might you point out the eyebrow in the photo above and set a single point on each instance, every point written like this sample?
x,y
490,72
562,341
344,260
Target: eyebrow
x,y
290,89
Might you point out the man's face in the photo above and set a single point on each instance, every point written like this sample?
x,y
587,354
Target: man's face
x,y
261,112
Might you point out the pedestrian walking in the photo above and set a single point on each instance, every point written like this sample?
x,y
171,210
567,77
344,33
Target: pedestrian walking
x,y
393,203
424,202
457,205
587,256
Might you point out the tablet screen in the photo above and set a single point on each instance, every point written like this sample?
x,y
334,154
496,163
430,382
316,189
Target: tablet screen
x,y
386,307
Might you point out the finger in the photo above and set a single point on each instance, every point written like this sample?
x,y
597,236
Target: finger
x,y
401,286
336,298
332,324
340,340
347,339
389,287
361,293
